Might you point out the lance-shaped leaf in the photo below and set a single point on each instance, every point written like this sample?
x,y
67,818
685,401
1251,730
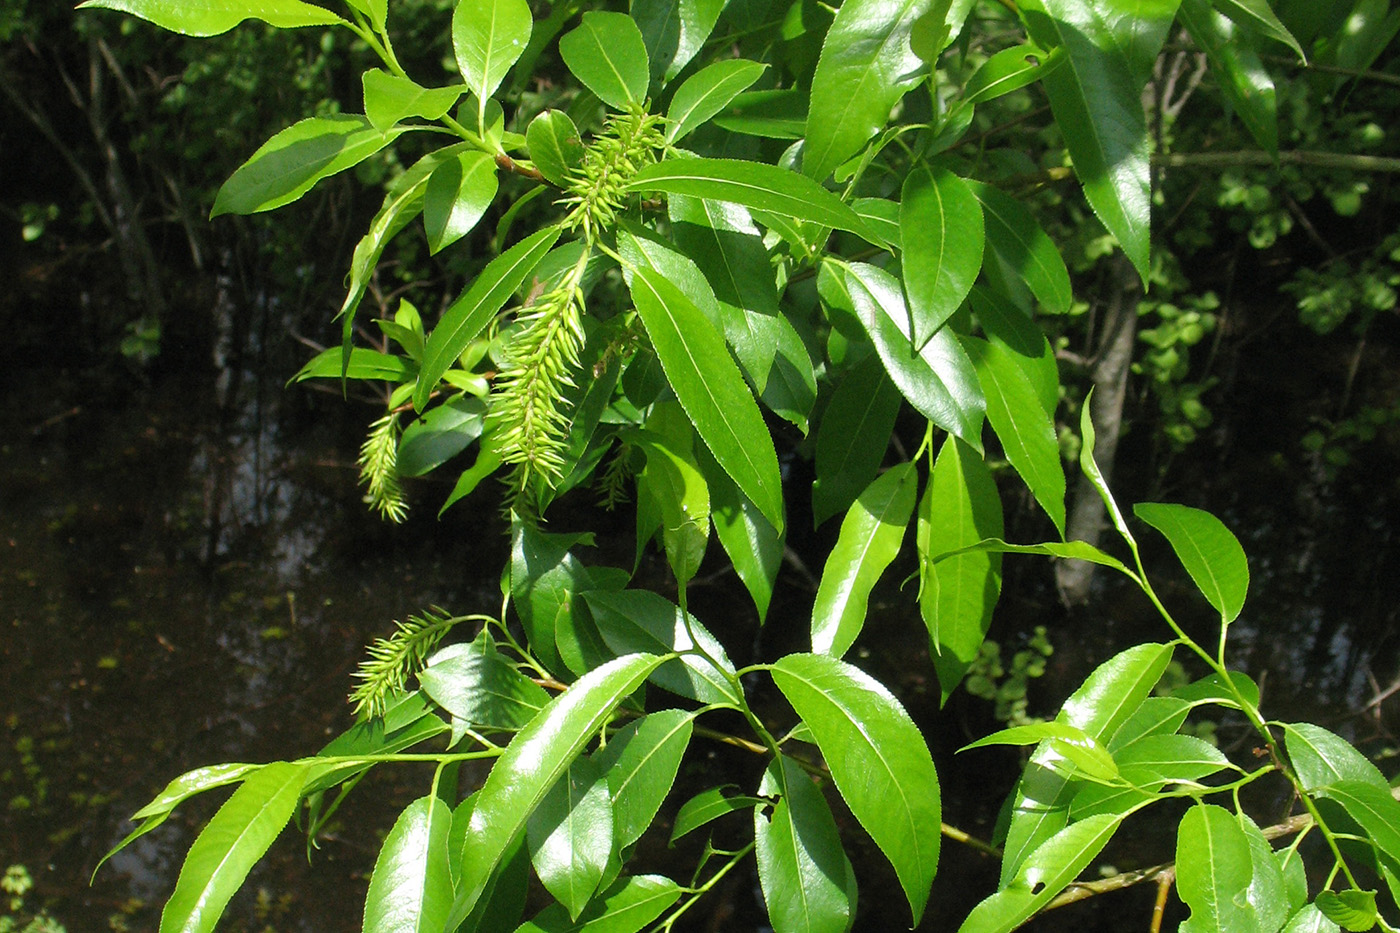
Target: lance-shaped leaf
x,y
607,54
1309,919
1238,70
681,495
641,761
555,146
1069,550
1321,758
1210,553
1148,765
1025,429
878,758
801,866
626,907
1213,870
289,164
212,17
870,538
940,227
533,762
710,389
866,66
391,98
939,380
1374,810
1098,106
1009,70
234,839
570,835
476,683
754,546
487,38
852,437
757,186
466,316
1089,758
706,93
458,193
1257,15
708,806
410,890
673,31
1019,241
545,580
1009,326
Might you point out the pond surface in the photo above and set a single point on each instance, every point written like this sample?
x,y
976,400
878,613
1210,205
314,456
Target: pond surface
x,y
188,576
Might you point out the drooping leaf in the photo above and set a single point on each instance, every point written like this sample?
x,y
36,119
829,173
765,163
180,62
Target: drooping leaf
x,y
488,36
290,163
800,861
212,17
626,907
1070,550
555,145
878,758
754,546
364,364
391,98
706,93
469,314
708,806
673,31
641,761
852,437
439,435
941,230
1210,553
410,890
1256,14
866,66
1089,468
672,476
570,835
711,390
1213,870
458,194
870,538
545,580
1008,326
606,52
1238,70
476,683
1017,238
1009,70
531,764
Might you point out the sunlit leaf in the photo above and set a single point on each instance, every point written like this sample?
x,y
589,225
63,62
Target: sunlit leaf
x,y
410,890
673,31
941,230
1210,553
708,806
1321,758
641,761
1257,15
391,98
626,907
706,93
1239,72
1009,70
852,437
1018,240
211,17
458,194
570,835
800,861
476,683
555,145
488,36
1213,870
606,52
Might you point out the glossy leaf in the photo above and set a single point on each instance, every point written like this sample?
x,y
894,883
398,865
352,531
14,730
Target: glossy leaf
x,y
530,765
1025,429
410,890
289,164
555,146
458,194
1010,327
1213,689
212,17
852,437
1351,910
640,620
878,759
940,227
755,185
939,380
706,93
476,683
866,66
1210,553
711,390
1266,894
871,535
439,435
1213,869
545,580
1070,550
682,496
1009,70
606,52
1374,809
570,835
1147,766
1321,758
800,860
791,390
1154,716
626,907
1090,469
673,31
364,364
228,846
708,806
1310,920
641,761
1017,238
503,901
753,545
1257,15
1073,744
488,36
1238,70
469,314
391,98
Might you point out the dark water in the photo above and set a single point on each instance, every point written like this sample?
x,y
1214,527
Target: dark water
x,y
187,576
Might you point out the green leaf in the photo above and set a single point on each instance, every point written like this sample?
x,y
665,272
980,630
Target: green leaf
x,y
1090,470
364,364
439,435
1147,766
533,762
878,759
939,380
1373,808
708,806
1266,894
673,31
488,36
626,907
1352,910
1076,746
706,93
1321,758
1155,716
233,840
545,580
852,437
800,860
1097,104
1018,240
755,185
570,835
780,113
1257,15
503,901
376,10
410,890
1213,870
870,538
1069,550
640,620
1042,875
1009,70
940,227
961,507
471,312
754,546
1025,429
458,194
1238,70
672,476
866,66
1008,326
1210,553
289,164
641,761
711,390
1213,689
555,146
606,52
1310,920
211,17
476,683
791,390
391,98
